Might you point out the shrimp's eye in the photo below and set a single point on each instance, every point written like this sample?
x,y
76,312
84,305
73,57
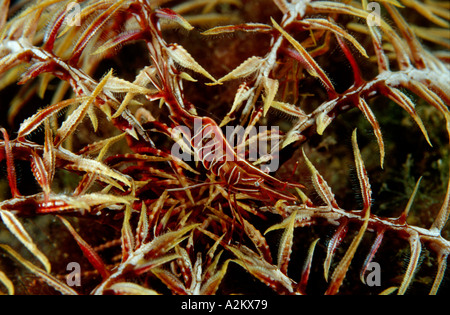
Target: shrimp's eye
x,y
259,182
